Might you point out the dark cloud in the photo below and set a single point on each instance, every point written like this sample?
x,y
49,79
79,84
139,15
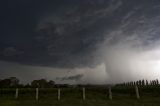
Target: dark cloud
x,y
74,77
64,33
10,51
85,41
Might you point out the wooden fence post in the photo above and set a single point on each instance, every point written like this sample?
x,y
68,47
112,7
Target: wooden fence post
x,y
84,95
37,94
137,92
16,94
110,93
59,94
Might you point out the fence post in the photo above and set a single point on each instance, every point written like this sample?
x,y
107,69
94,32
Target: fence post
x,y
84,95
110,93
137,92
16,94
37,93
59,94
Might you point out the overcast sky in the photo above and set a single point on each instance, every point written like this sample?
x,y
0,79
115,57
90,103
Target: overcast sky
x,y
80,41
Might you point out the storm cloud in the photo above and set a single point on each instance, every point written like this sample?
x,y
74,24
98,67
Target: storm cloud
x,y
75,77
105,41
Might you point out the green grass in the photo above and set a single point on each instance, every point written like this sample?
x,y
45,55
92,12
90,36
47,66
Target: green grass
x,y
73,97
76,102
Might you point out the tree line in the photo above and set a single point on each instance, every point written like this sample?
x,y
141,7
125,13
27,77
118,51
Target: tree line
x,y
13,82
140,83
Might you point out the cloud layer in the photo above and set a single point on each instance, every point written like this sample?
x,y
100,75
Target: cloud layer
x,y
104,41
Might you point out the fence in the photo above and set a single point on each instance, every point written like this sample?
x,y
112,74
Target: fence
x,y
82,92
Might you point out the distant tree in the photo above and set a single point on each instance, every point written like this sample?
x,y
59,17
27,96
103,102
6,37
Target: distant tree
x,y
147,83
51,84
9,82
14,81
5,83
35,83
137,83
134,83
157,82
154,82
140,83
42,83
143,82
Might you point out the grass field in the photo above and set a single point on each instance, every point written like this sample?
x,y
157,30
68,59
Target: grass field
x,y
122,96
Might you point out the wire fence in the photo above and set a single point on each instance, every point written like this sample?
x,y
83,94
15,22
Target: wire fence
x,y
79,93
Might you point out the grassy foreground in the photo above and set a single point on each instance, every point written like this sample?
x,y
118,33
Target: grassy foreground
x,y
120,102
73,97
